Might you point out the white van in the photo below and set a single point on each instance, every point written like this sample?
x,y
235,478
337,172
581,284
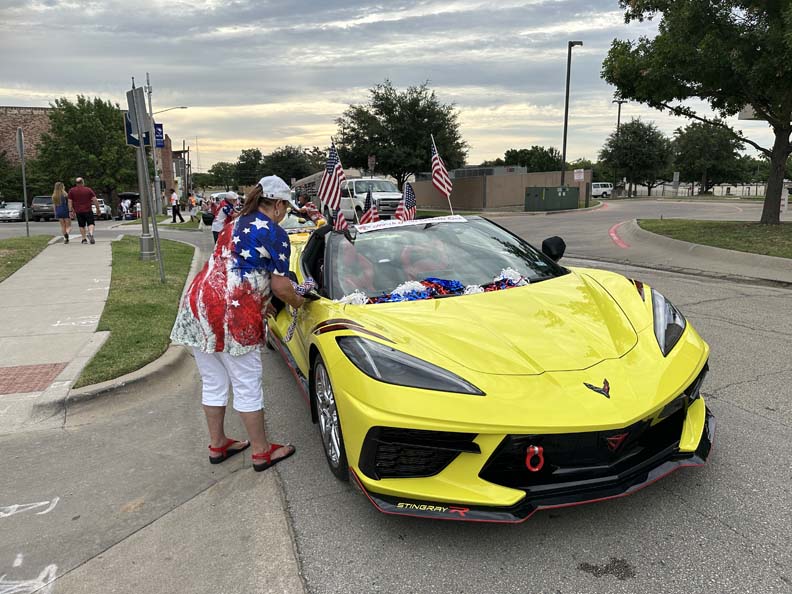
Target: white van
x,y
601,190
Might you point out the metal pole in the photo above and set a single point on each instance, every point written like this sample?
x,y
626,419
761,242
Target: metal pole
x,y
147,251
618,151
24,198
157,185
570,45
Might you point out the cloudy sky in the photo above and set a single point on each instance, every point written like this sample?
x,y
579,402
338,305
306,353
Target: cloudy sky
x,y
263,73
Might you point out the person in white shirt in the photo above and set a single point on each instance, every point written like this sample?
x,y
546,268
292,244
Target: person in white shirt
x,y
174,201
224,213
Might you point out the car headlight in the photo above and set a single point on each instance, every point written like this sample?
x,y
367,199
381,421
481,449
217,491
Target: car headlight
x,y
669,323
395,367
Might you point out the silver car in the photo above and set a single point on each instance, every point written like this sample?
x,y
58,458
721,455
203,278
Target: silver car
x,y
13,211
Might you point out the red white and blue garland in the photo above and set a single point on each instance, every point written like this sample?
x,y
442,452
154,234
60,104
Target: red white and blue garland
x,y
432,288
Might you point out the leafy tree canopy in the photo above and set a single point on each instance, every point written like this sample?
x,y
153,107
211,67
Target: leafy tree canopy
x,y
729,53
289,162
708,153
395,126
224,174
249,167
639,152
86,139
535,159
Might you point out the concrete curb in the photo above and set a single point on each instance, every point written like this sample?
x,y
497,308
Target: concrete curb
x,y
762,268
522,213
163,366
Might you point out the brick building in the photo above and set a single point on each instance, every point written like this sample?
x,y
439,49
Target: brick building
x,y
34,122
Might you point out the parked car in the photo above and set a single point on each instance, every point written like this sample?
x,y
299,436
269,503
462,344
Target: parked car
x,y
41,208
457,372
13,211
601,189
384,193
107,212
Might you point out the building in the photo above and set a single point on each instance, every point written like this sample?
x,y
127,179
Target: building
x,y
34,121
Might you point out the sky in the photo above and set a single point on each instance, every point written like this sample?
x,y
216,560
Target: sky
x,y
263,73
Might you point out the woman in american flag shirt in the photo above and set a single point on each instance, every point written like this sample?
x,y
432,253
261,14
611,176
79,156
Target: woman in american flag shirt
x,y
223,316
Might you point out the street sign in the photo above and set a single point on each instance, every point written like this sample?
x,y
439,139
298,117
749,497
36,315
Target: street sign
x,y
20,142
579,175
131,135
159,136
372,162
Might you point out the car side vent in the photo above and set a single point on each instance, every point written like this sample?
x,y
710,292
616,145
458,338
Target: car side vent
x,y
391,452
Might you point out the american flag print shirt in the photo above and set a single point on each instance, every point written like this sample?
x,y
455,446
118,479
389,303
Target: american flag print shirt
x,y
222,311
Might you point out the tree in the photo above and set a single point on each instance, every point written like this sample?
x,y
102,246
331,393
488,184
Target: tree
x,y
289,162
202,180
639,152
86,139
317,158
395,127
728,53
493,163
599,172
224,174
249,167
707,153
535,159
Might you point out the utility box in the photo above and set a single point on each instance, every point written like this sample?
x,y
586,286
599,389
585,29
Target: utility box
x,y
542,199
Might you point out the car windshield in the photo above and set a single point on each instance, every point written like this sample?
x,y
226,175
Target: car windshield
x,y
376,185
472,255
11,205
42,199
292,221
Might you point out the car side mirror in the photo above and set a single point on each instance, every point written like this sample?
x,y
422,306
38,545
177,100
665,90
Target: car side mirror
x,y
554,248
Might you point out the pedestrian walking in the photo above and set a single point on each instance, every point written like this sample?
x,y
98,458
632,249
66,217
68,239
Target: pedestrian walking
x,y
223,318
60,204
191,204
81,199
224,213
175,210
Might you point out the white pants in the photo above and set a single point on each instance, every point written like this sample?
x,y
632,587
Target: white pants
x,y
243,372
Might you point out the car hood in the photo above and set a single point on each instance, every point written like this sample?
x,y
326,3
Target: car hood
x,y
386,195
562,324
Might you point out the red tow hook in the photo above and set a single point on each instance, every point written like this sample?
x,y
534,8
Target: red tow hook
x,y
534,452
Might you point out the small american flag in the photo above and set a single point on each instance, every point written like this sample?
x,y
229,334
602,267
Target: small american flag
x,y
370,214
340,222
406,209
330,187
440,178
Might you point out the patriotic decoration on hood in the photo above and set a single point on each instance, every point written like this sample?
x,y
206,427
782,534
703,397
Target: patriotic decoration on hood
x,y
440,178
370,214
406,209
340,222
330,187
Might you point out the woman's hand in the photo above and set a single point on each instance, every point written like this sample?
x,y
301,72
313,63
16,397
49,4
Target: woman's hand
x,y
284,290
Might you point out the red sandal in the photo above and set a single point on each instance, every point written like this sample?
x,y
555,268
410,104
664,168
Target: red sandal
x,y
267,456
225,453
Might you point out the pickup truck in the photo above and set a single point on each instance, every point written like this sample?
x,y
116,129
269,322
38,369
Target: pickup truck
x,y
384,193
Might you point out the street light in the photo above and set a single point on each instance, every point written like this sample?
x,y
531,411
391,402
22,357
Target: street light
x,y
618,152
170,108
570,45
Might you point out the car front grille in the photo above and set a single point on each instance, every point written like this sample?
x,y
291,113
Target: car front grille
x,y
577,459
390,452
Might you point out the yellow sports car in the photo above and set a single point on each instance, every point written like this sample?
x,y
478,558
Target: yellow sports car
x,y
456,372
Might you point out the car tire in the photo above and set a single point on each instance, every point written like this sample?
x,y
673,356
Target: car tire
x,y
604,195
358,213
329,421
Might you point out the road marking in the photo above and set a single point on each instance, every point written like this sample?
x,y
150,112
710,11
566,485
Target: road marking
x,y
18,561
613,232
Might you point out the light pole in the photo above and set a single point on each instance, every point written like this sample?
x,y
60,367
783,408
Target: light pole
x,y
169,109
618,152
570,45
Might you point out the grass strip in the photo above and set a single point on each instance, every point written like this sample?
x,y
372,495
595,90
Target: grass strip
x,y
18,251
140,310
742,236
160,218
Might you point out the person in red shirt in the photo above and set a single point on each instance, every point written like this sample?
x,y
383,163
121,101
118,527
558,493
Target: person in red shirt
x,y
81,199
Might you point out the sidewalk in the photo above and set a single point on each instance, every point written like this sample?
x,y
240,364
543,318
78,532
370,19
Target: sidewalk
x,y
52,307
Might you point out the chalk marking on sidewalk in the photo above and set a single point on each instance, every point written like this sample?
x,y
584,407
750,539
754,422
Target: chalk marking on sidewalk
x,y
18,561
80,321
613,232
10,510
42,583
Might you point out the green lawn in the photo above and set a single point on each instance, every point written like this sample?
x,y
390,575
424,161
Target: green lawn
x,y
769,240
140,311
160,218
18,251
187,225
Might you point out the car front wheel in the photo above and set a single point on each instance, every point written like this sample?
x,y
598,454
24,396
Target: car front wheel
x,y
329,422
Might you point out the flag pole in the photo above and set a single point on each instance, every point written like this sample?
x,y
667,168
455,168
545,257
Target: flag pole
x,y
448,196
354,210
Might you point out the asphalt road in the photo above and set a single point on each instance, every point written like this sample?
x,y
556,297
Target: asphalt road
x,y
116,467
